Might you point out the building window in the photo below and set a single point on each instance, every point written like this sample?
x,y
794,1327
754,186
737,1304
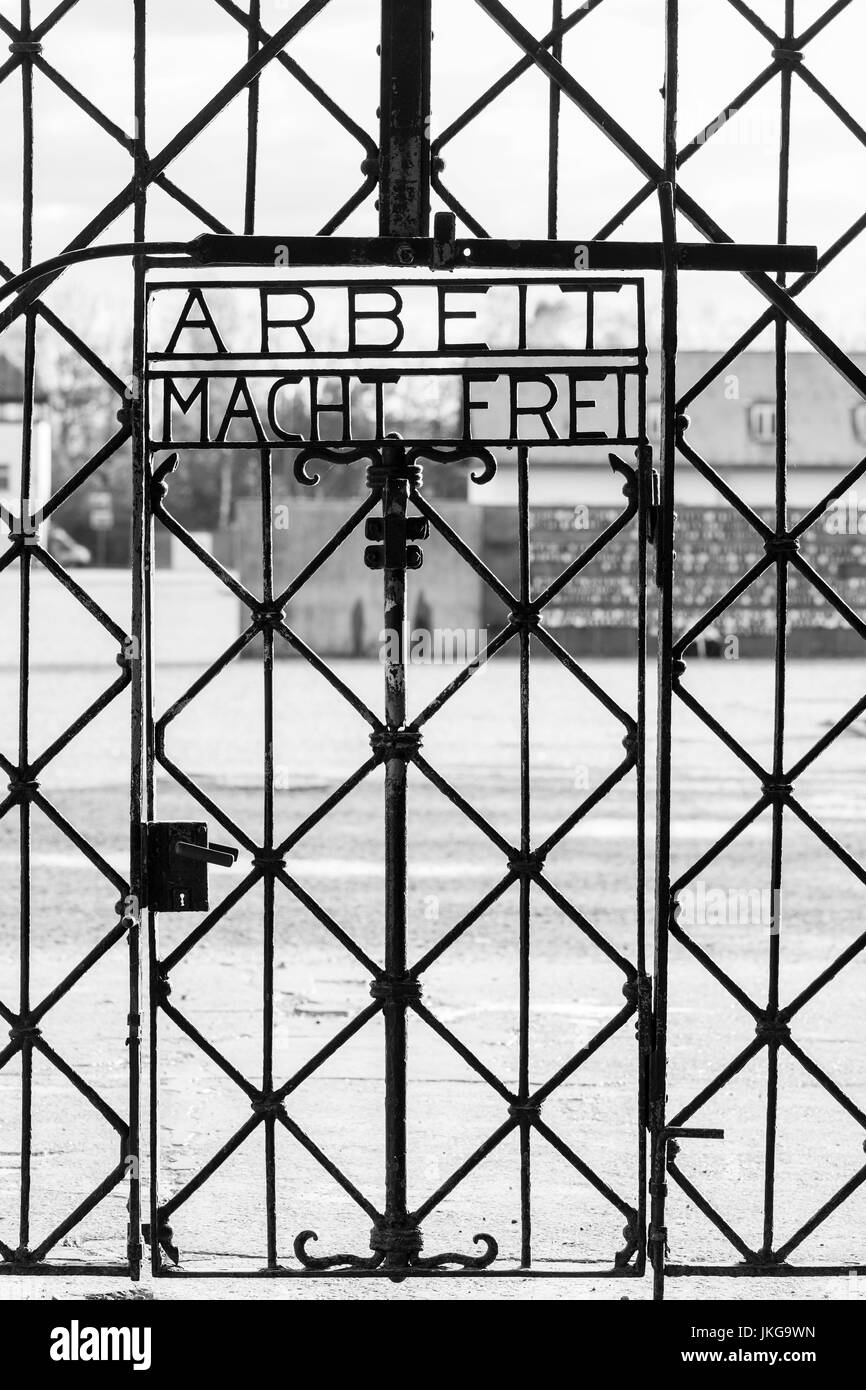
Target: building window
x,y
654,419
858,420
5,477
762,422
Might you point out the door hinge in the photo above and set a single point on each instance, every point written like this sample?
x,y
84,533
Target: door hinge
x,y
176,855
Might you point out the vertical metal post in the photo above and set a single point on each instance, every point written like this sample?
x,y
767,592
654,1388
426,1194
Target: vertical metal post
x,y
142,569
553,127
665,577
399,1243
136,409
780,673
646,500
524,908
27,523
404,118
253,104
267,513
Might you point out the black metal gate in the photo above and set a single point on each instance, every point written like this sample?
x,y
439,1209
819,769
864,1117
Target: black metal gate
x,y
168,860
398,518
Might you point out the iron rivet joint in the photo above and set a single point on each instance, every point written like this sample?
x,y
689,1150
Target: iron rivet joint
x,y
788,57
21,1031
270,617
525,1109
269,861
778,791
528,865
525,616
772,1026
266,1104
782,545
23,787
397,1241
395,743
406,990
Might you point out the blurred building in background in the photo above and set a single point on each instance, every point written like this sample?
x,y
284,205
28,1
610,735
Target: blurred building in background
x,y
576,497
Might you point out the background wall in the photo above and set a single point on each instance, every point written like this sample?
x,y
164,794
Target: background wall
x,y
340,609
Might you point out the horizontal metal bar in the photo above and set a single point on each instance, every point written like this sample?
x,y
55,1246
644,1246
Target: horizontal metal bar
x,y
24,1271
484,253
81,255
771,1271
490,254
600,1270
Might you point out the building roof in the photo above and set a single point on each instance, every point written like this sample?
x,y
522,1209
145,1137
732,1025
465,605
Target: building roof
x,y
826,416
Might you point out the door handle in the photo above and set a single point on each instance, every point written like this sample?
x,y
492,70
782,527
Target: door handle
x,y
211,854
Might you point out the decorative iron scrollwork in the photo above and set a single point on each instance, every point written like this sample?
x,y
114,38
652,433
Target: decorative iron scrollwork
x,y
325,453
332,1261
400,1249
465,1261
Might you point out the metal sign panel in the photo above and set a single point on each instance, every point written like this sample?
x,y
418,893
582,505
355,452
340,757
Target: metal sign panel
x,y
311,361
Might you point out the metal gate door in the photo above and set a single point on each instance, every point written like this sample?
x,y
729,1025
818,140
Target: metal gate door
x,y
186,356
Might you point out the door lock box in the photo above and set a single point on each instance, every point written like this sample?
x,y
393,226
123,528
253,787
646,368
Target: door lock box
x,y
176,857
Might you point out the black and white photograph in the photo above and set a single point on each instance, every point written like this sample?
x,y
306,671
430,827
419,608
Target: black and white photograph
x,y
432,695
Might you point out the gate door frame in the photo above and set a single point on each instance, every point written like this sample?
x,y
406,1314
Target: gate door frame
x,y
398,518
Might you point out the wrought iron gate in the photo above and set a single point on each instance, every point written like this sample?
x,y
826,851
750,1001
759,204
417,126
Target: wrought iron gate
x,y
403,166
399,518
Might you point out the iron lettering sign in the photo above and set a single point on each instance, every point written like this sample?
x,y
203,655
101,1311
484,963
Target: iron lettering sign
x,y
289,363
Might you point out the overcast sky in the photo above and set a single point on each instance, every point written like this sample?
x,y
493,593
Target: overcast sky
x,y
308,165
